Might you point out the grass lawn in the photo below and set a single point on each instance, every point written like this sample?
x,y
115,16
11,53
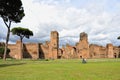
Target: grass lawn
x,y
95,69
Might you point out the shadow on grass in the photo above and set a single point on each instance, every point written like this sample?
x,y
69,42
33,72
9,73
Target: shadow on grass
x,y
14,64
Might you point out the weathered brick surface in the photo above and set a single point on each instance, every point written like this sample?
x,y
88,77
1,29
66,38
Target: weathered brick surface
x,y
116,52
110,51
51,50
54,45
31,51
15,50
97,51
83,46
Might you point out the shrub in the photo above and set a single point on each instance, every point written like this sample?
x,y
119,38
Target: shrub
x,y
46,59
2,51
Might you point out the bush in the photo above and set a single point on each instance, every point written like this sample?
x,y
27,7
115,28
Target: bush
x,y
46,59
2,51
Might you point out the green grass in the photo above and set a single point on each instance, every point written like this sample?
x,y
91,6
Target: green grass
x,y
95,69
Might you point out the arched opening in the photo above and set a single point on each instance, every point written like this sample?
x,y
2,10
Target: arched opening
x,y
115,55
74,49
94,54
119,55
80,57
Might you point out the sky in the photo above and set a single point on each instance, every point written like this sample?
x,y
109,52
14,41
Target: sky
x,y
100,19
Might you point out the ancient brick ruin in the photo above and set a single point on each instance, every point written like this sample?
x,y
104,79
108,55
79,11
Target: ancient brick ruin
x,y
48,50
51,50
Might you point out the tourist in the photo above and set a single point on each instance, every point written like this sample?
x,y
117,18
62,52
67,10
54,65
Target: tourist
x,y
84,60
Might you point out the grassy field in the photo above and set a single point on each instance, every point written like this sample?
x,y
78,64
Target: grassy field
x,y
95,69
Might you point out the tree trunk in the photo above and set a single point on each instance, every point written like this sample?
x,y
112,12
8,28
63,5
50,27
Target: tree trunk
x,y
7,38
6,44
21,47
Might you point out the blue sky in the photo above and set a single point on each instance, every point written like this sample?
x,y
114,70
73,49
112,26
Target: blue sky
x,y
100,19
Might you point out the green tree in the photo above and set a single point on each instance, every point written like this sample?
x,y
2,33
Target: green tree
x,y
22,32
10,11
118,37
2,49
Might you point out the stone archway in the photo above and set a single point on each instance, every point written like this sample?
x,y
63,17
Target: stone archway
x,y
119,55
115,55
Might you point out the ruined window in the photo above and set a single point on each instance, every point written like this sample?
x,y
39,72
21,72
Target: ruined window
x,y
74,48
115,55
94,54
55,46
119,55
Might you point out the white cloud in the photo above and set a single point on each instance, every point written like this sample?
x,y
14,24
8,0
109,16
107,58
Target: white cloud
x,y
43,16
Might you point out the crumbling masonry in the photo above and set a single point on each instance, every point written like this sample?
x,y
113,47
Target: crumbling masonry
x,y
51,50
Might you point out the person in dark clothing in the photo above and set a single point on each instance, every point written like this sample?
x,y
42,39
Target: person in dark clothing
x,y
84,60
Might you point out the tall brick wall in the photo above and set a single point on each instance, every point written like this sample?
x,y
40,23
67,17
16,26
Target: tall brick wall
x,y
69,52
51,50
116,52
15,50
31,50
44,51
103,53
110,53
97,51
83,46
94,51
54,45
